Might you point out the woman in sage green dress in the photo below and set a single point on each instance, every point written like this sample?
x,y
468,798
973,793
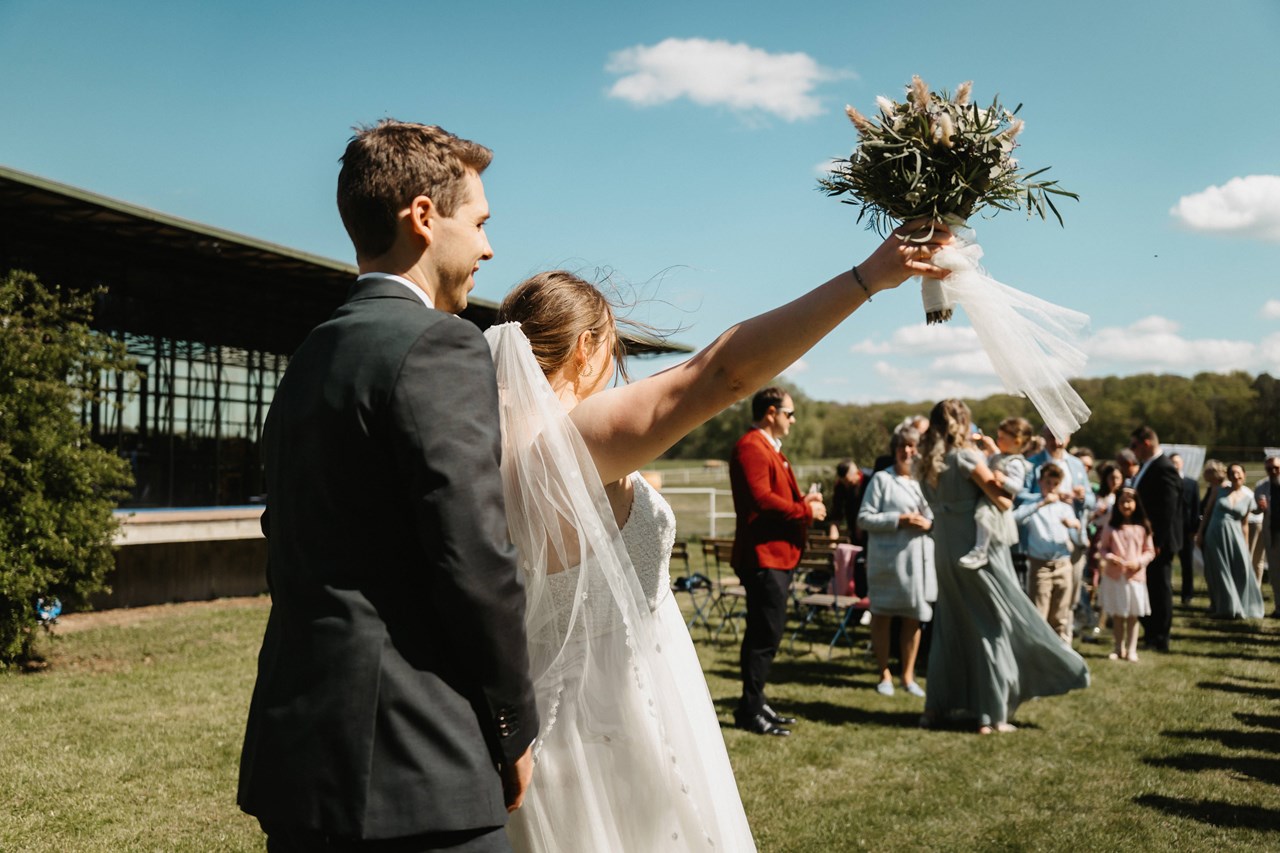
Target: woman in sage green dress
x,y
1233,586
991,649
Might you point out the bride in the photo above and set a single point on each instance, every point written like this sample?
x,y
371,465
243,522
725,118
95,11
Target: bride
x,y
630,756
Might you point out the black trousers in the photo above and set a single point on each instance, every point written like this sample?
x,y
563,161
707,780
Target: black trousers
x,y
1160,589
1187,557
293,840
768,591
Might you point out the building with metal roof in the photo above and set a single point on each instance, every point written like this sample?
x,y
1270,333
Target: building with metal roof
x,y
211,317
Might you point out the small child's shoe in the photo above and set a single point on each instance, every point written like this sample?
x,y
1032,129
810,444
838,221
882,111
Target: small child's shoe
x,y
975,559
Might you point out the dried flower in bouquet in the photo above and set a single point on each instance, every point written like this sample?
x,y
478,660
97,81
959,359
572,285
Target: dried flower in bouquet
x,y
938,156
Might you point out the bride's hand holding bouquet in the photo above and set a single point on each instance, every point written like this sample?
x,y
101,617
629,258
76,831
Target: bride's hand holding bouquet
x,y
939,157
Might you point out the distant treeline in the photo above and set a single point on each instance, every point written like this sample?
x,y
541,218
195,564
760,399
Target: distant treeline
x,y
1234,415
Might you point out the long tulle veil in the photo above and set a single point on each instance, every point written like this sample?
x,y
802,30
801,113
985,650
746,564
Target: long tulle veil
x,y
606,776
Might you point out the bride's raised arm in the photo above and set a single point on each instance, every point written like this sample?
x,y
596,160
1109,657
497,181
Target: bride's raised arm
x,y
631,425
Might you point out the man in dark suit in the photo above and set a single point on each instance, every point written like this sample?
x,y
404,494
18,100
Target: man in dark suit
x,y
1159,487
393,708
769,539
1190,524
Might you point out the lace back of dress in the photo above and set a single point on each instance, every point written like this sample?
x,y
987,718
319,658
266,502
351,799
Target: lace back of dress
x,y
602,757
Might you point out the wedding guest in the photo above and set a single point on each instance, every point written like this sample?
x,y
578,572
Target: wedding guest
x,y
1051,532
1125,548
1190,524
1086,457
996,527
1266,493
769,539
901,579
1159,487
1214,475
1075,488
1128,464
1253,537
1227,569
917,422
1110,481
845,499
991,650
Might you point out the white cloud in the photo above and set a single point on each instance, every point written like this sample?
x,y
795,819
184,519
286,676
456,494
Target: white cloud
x,y
913,384
1271,309
1156,344
797,368
719,73
1242,207
920,362
923,339
974,363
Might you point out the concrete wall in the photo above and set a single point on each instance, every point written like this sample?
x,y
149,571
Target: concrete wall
x,y
165,572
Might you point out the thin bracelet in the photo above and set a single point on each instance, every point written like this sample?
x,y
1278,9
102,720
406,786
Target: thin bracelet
x,y
863,284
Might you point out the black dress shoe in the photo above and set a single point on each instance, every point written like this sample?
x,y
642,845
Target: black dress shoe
x,y
760,725
774,717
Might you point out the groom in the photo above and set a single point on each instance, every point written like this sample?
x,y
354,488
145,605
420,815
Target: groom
x,y
393,708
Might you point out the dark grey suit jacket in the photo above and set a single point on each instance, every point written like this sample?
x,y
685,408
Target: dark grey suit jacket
x,y
1160,490
393,677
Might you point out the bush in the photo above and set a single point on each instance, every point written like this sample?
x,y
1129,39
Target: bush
x,y
57,487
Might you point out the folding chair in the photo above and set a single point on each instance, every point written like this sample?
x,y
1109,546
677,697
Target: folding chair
x,y
839,598
730,600
697,585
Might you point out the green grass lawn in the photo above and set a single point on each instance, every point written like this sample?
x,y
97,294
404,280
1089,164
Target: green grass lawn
x,y
130,739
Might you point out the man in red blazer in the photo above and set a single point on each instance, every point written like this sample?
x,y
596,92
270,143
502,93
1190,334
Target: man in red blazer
x,y
773,517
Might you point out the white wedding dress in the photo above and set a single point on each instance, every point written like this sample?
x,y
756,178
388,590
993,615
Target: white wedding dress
x,y
629,757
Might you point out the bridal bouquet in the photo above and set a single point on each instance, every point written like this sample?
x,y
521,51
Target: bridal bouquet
x,y
942,157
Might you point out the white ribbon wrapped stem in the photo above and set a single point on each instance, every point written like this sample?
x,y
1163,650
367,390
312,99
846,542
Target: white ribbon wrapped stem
x,y
1032,343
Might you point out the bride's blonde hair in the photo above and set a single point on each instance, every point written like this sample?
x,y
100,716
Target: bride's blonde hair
x,y
948,430
553,308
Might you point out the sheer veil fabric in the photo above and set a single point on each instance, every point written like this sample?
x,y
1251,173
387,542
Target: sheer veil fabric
x,y
609,768
1032,343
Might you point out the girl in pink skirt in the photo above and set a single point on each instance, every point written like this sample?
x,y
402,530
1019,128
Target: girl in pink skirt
x,y
1124,550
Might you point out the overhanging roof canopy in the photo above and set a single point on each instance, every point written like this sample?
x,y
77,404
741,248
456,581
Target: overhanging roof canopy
x,y
179,279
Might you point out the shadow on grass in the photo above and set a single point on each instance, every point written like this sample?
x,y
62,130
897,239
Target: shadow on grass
x,y
1233,739
1261,692
843,673
1263,769
1176,652
1214,812
838,715
1260,720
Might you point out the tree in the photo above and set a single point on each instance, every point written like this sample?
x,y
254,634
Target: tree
x,y
57,487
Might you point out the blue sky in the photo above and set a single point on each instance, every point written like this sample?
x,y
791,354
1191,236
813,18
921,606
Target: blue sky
x,y
678,145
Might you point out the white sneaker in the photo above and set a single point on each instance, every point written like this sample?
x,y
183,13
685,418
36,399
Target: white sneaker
x,y
975,559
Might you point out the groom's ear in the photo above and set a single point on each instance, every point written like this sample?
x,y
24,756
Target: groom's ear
x,y
420,218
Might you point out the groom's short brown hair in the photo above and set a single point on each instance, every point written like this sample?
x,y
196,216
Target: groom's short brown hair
x,y
388,164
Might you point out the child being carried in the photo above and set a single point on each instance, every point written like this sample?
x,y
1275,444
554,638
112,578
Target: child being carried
x,y
997,527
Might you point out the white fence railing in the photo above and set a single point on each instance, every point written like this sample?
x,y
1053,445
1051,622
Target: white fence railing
x,y
699,509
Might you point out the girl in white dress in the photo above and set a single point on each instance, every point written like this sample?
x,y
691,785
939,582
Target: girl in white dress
x,y
630,758
1124,550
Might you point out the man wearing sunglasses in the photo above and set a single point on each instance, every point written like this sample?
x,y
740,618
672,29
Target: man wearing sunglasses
x,y
769,539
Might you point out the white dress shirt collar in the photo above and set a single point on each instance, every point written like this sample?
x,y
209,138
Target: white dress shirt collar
x,y
417,291
1146,465
776,442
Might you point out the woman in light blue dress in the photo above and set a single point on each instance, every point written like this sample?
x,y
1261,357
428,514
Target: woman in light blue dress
x,y
900,575
991,649
1233,586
